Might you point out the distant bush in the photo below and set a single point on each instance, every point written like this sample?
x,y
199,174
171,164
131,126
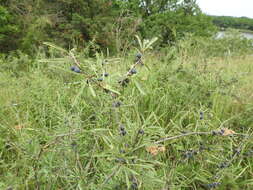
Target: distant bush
x,y
232,44
8,30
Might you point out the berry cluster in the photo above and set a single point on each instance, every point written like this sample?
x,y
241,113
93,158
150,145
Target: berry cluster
x,y
213,185
122,130
132,71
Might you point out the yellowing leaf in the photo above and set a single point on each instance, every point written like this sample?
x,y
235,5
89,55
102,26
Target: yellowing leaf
x,y
18,127
144,78
227,132
154,150
162,149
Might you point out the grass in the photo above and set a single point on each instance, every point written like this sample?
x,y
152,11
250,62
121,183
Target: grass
x,y
57,132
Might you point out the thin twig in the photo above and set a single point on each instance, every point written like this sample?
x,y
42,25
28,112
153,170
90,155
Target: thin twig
x,y
182,135
74,58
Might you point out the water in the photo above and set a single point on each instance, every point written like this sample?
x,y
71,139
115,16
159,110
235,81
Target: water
x,y
247,35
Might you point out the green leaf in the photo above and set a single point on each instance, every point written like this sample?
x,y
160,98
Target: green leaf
x,y
76,100
54,60
149,44
138,86
127,180
55,47
93,93
139,41
108,87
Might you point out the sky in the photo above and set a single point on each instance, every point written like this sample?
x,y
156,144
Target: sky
x,y
237,8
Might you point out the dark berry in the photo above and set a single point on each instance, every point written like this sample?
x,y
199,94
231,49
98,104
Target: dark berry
x,y
100,79
141,132
75,69
116,104
122,127
134,186
223,165
213,185
201,115
105,74
106,90
221,132
215,133
236,151
133,71
123,133
189,154
138,55
122,151
122,130
124,82
73,144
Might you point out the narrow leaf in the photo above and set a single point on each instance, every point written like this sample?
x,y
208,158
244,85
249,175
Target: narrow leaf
x,y
139,41
138,86
108,87
55,47
150,43
92,91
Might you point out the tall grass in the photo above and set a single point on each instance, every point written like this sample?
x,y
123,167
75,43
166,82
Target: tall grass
x,y
60,131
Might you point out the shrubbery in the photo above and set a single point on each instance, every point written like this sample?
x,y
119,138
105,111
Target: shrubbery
x,y
141,121
8,31
109,24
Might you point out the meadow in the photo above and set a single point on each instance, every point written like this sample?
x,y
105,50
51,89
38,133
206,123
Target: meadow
x,y
177,118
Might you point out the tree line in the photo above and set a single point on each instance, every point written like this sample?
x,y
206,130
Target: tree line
x,y
109,24
242,23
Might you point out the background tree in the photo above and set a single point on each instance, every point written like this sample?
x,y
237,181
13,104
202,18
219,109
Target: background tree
x,y
109,24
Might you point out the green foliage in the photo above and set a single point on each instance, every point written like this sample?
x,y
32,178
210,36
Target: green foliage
x,y
110,25
8,30
59,131
243,23
231,44
172,26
